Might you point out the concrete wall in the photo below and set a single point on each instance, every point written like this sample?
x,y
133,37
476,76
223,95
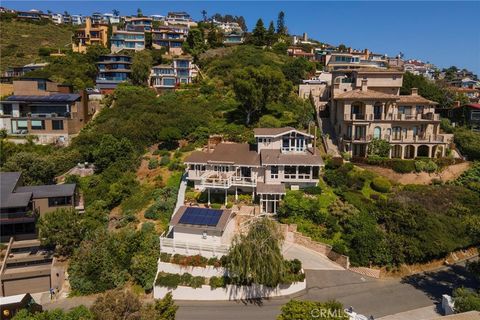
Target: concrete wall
x,y
208,271
230,292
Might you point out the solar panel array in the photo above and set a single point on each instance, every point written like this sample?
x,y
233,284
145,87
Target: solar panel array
x,y
201,216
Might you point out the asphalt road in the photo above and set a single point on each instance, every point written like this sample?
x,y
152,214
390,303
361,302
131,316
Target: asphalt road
x,y
368,296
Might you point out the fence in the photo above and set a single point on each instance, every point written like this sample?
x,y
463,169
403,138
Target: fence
x,y
191,248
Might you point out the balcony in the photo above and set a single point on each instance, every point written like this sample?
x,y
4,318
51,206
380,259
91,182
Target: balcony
x,y
358,117
225,180
411,117
362,138
416,139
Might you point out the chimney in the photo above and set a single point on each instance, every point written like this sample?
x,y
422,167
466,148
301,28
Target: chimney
x,y
414,92
364,84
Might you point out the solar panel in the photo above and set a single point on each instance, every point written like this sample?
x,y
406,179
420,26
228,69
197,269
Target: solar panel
x,y
201,216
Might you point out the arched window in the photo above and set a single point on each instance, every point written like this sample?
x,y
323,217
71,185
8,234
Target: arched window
x,y
377,110
377,133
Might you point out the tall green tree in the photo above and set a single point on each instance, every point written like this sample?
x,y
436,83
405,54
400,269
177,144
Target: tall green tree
x,y
259,33
270,36
256,257
141,66
255,87
281,28
195,43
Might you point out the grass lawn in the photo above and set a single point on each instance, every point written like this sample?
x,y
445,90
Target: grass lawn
x,y
20,41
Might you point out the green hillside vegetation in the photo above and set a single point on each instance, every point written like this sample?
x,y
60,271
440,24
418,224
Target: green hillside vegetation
x,y
20,41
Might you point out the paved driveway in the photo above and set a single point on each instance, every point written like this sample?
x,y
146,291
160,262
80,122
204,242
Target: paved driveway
x,y
310,259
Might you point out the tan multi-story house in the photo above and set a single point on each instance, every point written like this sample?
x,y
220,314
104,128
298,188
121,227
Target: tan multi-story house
x,y
366,104
91,34
43,108
282,158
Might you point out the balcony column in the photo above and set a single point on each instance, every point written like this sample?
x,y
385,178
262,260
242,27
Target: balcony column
x,y
236,194
226,196
402,155
208,191
390,153
415,150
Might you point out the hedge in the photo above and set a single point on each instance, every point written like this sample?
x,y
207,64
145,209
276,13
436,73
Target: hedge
x,y
381,184
172,281
402,166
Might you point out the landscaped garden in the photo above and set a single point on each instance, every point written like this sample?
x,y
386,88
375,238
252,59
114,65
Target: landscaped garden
x,y
377,222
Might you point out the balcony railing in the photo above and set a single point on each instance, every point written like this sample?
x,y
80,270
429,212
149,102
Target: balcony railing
x,y
170,245
393,117
225,180
416,139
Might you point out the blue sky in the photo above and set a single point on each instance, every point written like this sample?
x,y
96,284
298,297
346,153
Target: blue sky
x,y
444,33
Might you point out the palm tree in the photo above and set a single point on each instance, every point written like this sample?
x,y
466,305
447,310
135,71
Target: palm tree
x,y
116,13
204,14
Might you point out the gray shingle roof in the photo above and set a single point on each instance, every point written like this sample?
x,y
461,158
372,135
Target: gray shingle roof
x,y
9,199
48,191
263,188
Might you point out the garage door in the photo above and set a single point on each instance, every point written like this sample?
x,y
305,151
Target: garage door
x,y
26,285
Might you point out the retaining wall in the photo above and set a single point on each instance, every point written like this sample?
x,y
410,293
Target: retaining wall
x,y
230,292
208,271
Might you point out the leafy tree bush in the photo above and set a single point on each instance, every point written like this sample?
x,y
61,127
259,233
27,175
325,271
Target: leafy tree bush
x,y
378,147
470,178
64,229
466,300
419,165
430,166
312,310
141,65
107,260
468,142
217,282
153,163
381,184
164,160
402,166
76,313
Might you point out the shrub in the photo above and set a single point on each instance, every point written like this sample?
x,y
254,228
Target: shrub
x,y
164,160
216,206
214,262
381,184
419,166
151,214
466,300
430,166
294,266
197,282
346,156
168,280
316,190
217,282
153,163
165,257
377,160
402,166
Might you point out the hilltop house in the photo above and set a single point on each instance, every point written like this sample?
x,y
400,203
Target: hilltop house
x,y
21,206
366,104
46,109
91,34
138,24
170,37
169,76
112,70
127,40
282,158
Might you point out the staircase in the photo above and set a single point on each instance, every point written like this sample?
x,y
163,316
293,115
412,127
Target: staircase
x,y
329,137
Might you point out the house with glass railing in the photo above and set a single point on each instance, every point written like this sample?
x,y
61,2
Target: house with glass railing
x,y
112,70
127,40
281,158
170,37
169,76
366,104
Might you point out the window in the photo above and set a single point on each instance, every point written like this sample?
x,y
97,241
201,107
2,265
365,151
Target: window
x,y
57,124
38,124
290,172
42,85
59,201
377,132
274,172
303,172
22,125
